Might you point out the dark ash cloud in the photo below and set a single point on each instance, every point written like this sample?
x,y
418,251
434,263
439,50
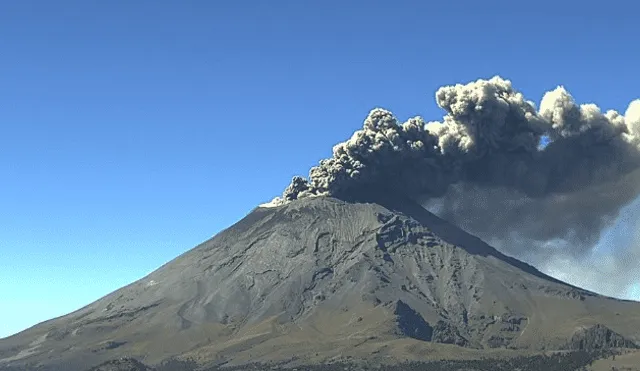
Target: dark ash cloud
x,y
489,136
514,174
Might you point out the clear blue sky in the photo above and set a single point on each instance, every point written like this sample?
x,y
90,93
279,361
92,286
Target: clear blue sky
x,y
133,130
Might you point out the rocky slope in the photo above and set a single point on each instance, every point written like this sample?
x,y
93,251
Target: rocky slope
x,y
123,364
323,278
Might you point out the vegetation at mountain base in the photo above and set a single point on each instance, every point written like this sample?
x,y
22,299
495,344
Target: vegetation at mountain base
x,y
560,361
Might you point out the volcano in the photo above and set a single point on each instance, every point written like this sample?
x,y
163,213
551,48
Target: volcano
x,y
321,279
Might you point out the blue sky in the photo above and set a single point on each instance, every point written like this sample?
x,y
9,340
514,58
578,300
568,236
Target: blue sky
x,y
133,130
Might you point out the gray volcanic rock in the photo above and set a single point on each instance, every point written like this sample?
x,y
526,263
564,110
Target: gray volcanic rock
x,y
411,323
321,278
447,333
599,337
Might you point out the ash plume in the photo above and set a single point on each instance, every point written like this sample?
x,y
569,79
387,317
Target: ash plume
x,y
489,136
521,177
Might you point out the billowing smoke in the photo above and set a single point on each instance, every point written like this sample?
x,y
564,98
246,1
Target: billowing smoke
x,y
527,180
490,136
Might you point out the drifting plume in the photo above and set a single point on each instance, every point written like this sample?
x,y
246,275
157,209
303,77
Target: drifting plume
x,y
526,179
490,136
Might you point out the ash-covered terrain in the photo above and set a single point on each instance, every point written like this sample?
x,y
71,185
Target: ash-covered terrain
x,y
321,279
349,265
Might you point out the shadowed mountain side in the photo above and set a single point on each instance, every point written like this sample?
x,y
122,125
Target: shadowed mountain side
x,y
447,231
321,278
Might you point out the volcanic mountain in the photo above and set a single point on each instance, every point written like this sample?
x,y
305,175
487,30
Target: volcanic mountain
x,y
322,279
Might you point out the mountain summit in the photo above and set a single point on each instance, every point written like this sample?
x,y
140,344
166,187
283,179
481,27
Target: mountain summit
x,y
321,278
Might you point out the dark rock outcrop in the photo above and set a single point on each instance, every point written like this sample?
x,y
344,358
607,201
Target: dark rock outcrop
x,y
599,337
411,322
446,333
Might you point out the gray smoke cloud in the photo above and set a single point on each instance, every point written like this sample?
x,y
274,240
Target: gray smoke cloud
x,y
540,183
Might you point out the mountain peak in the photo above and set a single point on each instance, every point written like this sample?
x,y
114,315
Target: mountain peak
x,y
317,276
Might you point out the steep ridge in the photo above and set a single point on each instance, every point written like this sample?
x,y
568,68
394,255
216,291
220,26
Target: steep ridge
x,y
321,277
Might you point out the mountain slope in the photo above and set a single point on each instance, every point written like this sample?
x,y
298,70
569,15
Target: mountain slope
x,y
319,278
